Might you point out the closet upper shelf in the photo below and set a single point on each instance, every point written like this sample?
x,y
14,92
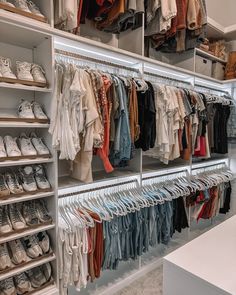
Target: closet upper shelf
x,y
206,54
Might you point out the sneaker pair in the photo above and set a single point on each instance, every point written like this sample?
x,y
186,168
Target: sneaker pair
x,y
31,110
40,275
19,284
9,147
32,146
36,245
35,212
11,218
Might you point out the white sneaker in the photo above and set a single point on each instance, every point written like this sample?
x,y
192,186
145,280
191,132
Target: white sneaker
x,y
5,68
40,177
5,223
26,147
38,74
30,213
38,144
23,71
16,218
42,211
3,153
4,190
47,271
27,177
44,242
36,277
34,8
7,3
11,146
38,111
22,283
32,248
5,260
13,183
7,287
17,251
22,5
25,110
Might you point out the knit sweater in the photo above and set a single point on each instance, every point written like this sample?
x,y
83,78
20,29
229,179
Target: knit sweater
x,y
182,6
168,9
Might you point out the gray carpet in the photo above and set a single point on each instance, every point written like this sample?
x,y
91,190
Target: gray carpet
x,y
150,284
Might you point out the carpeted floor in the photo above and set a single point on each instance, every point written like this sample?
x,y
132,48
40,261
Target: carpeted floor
x,y
151,284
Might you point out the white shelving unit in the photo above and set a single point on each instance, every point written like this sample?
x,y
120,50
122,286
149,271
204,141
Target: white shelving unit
x,y
25,39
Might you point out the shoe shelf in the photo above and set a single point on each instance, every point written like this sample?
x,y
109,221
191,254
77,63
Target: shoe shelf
x,y
26,162
23,82
26,266
27,231
23,13
26,196
24,87
24,120
44,289
21,124
20,158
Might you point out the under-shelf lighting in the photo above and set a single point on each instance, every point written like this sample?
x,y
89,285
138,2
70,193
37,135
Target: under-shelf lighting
x,y
94,53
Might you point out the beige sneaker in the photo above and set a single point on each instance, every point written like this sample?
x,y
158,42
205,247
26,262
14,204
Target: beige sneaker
x,y
5,223
5,260
7,287
22,284
16,217
4,190
17,252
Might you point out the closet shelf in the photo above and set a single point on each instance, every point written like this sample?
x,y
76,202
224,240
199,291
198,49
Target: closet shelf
x,y
23,82
47,289
26,232
15,124
28,265
210,56
39,194
25,162
22,158
24,87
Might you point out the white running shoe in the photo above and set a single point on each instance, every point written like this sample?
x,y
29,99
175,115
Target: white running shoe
x,y
38,111
16,218
47,271
17,252
27,178
30,214
40,177
42,211
38,144
4,190
23,71
7,3
5,260
22,5
32,248
5,68
5,223
25,110
44,242
38,74
22,283
36,277
26,146
34,8
7,287
11,146
3,153
13,183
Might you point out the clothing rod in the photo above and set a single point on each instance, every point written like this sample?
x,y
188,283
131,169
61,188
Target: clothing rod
x,y
96,188
211,88
166,174
211,165
103,62
165,77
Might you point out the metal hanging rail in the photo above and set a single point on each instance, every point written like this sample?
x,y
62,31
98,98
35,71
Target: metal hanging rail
x,y
167,78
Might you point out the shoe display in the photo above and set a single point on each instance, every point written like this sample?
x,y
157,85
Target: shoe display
x,y
11,146
7,3
16,217
5,68
13,184
47,271
32,247
5,260
34,8
26,146
7,287
17,252
22,283
38,111
25,110
27,178
23,71
4,190
22,5
5,222
37,277
44,242
38,74
30,214
3,153
40,177
39,145
42,211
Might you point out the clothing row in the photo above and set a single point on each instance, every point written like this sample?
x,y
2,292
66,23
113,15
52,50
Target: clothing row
x,y
113,16
98,231
175,25
209,203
